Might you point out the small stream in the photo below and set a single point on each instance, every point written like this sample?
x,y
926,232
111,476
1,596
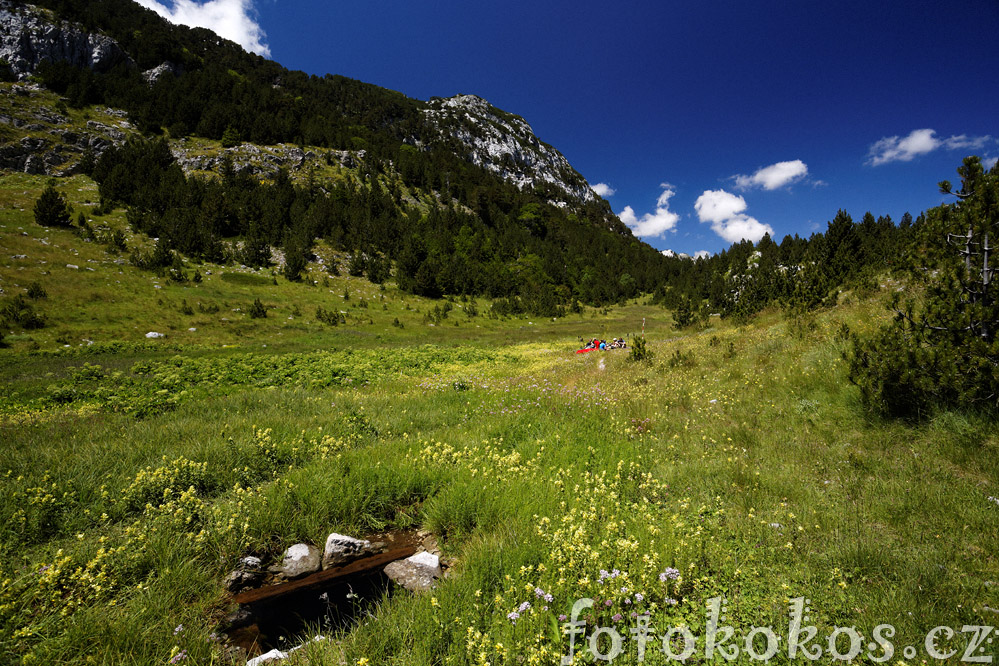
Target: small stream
x,y
326,606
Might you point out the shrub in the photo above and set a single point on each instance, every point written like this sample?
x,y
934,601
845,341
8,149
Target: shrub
x,y
115,240
51,210
257,310
438,314
639,351
357,264
36,291
681,359
330,317
17,311
230,138
294,264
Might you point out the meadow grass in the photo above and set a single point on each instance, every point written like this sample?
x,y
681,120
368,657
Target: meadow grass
x,y
737,462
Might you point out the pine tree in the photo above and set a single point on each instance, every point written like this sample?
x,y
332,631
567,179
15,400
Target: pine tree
x,y
684,316
944,354
51,209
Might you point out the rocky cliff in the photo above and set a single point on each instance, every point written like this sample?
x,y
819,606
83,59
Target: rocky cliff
x,y
506,145
30,36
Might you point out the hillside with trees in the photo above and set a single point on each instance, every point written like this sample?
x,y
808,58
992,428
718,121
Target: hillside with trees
x,y
416,206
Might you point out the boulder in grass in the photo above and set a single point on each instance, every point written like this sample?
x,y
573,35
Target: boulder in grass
x,y
154,334
417,573
299,560
341,549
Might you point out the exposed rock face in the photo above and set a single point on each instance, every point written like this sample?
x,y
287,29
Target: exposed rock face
x,y
54,147
30,36
263,160
506,145
341,549
153,75
417,573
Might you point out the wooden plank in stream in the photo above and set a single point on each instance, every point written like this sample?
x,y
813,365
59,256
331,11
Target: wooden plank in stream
x,y
363,565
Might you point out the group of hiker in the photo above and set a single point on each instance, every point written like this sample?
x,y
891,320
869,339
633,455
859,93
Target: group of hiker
x,y
603,345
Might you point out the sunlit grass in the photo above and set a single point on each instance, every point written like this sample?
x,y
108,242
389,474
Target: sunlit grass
x,y
739,455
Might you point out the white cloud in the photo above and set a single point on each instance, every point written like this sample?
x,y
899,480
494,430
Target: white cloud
x,y
653,224
774,176
232,19
965,141
726,213
919,142
716,206
702,254
989,162
603,190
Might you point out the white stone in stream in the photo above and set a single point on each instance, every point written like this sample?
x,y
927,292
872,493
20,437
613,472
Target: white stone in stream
x,y
299,560
267,657
250,562
341,549
416,573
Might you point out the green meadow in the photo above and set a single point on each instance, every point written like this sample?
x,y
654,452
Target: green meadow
x,y
736,461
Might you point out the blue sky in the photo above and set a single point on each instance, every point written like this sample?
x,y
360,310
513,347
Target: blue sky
x,y
707,121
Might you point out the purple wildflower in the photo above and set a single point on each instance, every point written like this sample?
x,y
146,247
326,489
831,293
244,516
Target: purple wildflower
x,y
608,603
513,617
617,617
563,618
524,606
669,574
638,597
179,657
179,628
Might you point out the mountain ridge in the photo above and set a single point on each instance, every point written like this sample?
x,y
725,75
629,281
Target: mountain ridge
x,y
483,135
